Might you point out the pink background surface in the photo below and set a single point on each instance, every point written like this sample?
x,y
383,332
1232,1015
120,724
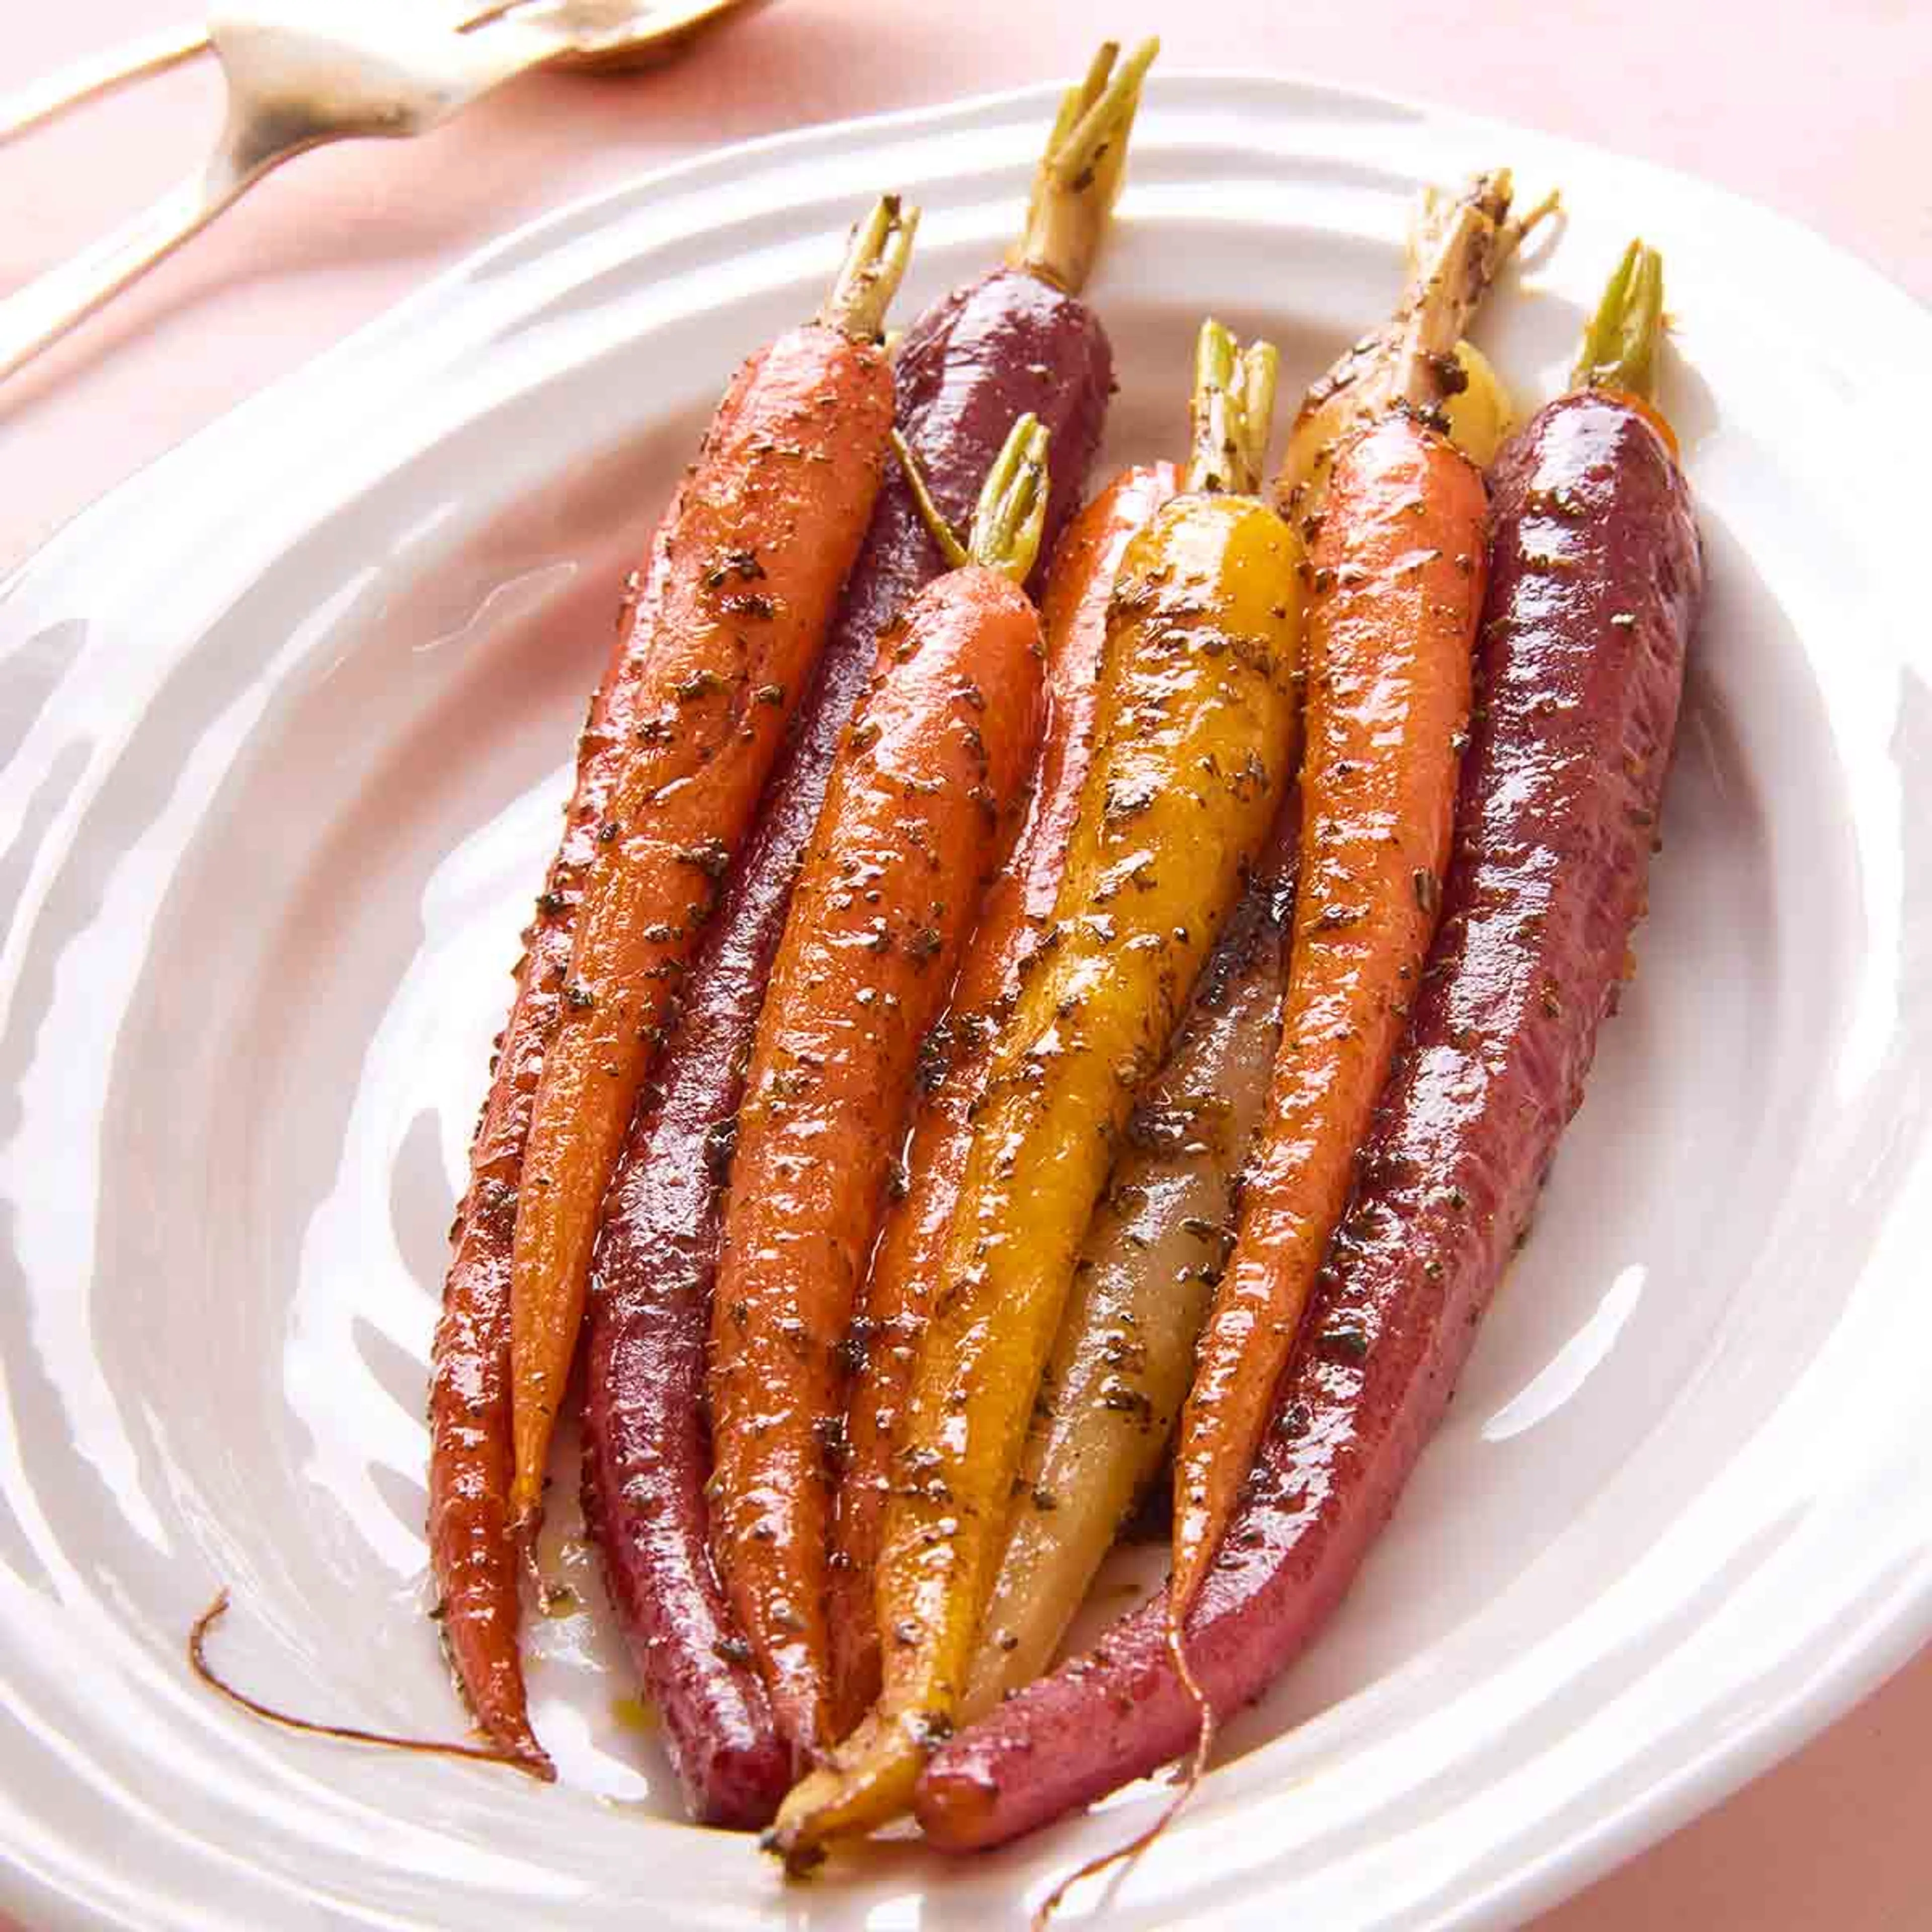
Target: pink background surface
x,y
1795,102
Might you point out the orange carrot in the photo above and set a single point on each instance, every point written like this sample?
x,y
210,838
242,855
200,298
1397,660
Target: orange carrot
x,y
1399,573
470,1550
1012,917
918,812
768,524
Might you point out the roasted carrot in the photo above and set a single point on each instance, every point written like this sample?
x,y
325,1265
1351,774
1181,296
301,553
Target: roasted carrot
x,y
1195,740
1397,553
1595,580
1122,1361
1017,339
471,1430
919,807
471,1554
1399,582
767,529
1012,918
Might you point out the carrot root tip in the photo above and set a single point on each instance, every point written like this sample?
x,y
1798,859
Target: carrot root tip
x,y
530,1758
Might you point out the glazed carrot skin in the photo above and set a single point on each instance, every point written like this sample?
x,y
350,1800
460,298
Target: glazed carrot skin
x,y
1112,1391
1398,570
472,1398
1018,338
918,809
1597,579
961,374
471,1554
768,528
1012,916
1194,744
1194,741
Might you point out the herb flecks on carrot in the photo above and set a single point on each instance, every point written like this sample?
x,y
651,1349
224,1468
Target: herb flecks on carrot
x,y
767,526
1461,243
1124,1355
1195,742
1399,575
917,815
472,1553
1013,918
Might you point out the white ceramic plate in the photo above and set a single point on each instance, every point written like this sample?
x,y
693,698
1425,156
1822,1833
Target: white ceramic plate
x,y
283,728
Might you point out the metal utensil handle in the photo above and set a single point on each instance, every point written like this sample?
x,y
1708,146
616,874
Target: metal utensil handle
x,y
46,309
96,74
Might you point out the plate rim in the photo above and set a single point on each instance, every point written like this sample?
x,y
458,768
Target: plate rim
x,y
418,303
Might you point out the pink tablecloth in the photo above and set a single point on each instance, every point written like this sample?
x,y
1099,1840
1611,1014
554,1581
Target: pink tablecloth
x,y
1794,101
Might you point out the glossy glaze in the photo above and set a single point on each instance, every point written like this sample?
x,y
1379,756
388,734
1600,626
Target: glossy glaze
x,y
1597,579
922,804
1397,567
992,350
1676,1520
898,1288
967,365
1195,735
472,1553
1121,1364
768,523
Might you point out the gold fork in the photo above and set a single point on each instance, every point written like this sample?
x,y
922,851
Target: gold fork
x,y
298,77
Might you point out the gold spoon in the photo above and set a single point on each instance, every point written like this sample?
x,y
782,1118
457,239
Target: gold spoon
x,y
634,36
370,68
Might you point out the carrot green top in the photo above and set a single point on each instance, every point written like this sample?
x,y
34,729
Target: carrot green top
x,y
1079,175
868,278
1012,510
1620,343
1231,411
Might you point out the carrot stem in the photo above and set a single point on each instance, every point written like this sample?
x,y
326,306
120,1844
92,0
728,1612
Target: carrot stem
x,y
869,277
1458,241
1451,279
1232,409
1620,343
1079,176
930,513
1012,511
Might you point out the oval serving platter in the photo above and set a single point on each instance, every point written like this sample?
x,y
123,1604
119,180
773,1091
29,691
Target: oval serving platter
x,y
284,727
